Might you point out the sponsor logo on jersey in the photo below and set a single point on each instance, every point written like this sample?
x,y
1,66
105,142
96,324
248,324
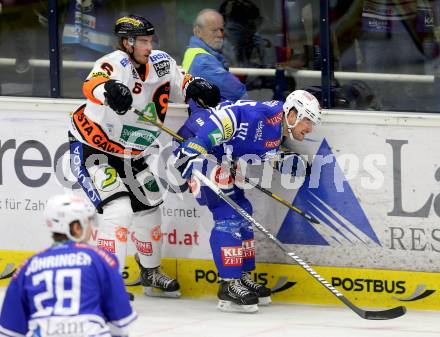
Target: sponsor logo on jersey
x,y
94,135
242,131
340,214
275,120
149,112
200,121
124,62
232,256
159,56
106,178
270,103
215,137
259,131
108,245
145,248
121,234
162,68
271,144
134,135
81,173
99,74
156,234
228,128
248,248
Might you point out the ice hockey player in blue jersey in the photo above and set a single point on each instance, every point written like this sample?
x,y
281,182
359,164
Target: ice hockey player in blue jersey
x,y
238,129
70,289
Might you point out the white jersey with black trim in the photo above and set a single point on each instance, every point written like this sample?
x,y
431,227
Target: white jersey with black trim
x,y
99,126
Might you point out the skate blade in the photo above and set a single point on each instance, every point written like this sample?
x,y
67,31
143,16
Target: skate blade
x,y
264,300
228,306
155,292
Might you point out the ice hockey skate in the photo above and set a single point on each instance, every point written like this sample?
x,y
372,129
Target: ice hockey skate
x,y
157,284
235,297
262,292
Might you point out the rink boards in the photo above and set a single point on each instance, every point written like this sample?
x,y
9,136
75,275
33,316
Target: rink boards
x,y
372,288
376,195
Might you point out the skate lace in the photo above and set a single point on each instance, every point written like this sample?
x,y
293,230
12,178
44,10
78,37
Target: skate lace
x,y
247,281
238,288
158,278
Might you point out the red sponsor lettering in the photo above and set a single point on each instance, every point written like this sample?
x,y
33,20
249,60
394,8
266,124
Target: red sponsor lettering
x,y
272,143
275,120
232,256
248,249
108,245
143,247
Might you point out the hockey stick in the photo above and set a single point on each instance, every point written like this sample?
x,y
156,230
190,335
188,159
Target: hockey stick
x,y
366,314
233,171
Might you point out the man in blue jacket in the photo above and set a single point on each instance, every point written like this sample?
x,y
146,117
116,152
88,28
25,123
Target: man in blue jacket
x,y
203,56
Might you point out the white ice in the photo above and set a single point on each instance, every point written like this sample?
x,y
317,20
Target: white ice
x,y
200,318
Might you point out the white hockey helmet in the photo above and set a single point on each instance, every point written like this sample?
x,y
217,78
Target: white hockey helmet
x,y
61,210
306,106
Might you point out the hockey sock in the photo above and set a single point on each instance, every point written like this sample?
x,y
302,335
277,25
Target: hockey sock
x,y
112,232
147,237
226,247
248,245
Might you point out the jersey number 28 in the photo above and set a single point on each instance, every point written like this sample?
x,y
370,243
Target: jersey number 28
x,y
66,300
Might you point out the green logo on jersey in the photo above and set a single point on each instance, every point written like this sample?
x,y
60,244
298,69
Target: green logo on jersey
x,y
215,137
149,111
138,136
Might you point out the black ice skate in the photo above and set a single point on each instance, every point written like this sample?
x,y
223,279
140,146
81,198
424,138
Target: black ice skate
x,y
262,292
235,297
157,284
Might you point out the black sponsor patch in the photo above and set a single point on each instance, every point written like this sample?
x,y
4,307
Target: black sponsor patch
x,y
162,68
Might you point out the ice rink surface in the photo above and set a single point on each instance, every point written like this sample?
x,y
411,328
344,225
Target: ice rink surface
x,y
200,318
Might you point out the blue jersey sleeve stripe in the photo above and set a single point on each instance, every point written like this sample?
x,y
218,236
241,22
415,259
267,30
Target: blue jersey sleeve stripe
x,y
217,122
9,333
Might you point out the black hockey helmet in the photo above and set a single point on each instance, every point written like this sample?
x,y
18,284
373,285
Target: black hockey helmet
x,y
133,25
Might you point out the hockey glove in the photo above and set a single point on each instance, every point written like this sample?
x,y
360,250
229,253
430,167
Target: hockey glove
x,y
290,163
188,155
202,92
118,96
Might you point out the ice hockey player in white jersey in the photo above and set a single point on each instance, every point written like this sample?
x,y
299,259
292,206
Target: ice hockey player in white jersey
x,y
71,289
106,136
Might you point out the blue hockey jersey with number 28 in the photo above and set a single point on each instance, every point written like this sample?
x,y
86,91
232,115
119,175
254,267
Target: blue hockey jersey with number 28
x,y
71,289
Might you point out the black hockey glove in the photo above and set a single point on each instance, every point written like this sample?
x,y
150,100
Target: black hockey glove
x,y
118,96
202,92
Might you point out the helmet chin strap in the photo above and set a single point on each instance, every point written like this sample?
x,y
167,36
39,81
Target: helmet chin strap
x,y
131,42
290,127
